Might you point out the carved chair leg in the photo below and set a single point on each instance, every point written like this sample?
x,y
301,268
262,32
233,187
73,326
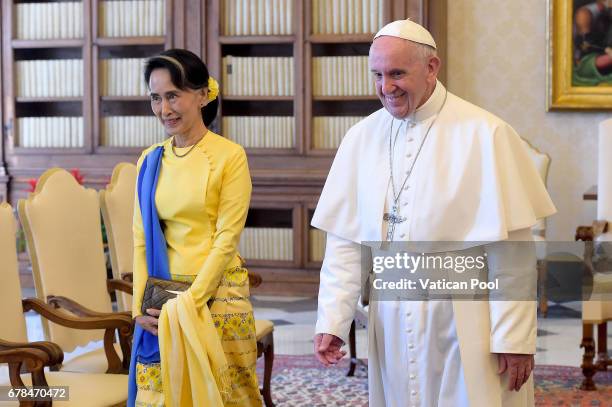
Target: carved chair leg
x,y
602,346
352,350
588,367
125,341
542,279
268,363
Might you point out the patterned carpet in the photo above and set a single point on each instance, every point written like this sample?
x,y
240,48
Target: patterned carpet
x,y
300,381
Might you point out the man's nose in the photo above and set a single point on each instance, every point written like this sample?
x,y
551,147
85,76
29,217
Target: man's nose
x,y
387,86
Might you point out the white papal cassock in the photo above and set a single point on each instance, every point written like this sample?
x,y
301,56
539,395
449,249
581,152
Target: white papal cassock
x,y
473,182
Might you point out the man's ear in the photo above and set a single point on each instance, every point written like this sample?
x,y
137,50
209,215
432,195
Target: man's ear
x,y
433,66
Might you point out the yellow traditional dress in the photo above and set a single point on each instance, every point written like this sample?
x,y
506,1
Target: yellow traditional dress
x,y
202,200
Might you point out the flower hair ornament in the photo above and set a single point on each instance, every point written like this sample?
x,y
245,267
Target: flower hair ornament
x,y
213,88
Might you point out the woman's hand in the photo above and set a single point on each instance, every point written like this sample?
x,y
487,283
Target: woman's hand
x,y
149,322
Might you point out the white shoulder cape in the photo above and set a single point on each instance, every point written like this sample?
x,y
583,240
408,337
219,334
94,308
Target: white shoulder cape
x,y
475,181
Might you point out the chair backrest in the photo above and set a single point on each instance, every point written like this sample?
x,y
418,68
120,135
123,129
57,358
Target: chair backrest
x,y
542,164
599,309
604,172
13,326
117,204
61,221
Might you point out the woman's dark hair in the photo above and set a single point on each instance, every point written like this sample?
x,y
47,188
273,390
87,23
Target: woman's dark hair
x,y
187,71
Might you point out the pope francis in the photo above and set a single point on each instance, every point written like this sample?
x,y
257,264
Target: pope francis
x,y
430,166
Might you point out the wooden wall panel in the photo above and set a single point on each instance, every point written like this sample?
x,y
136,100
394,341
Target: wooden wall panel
x,y
436,21
179,25
194,26
431,14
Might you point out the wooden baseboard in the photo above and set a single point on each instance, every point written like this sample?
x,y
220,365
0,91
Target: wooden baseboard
x,y
287,282
276,281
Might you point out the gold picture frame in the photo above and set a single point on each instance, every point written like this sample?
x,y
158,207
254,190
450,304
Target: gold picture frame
x,y
562,91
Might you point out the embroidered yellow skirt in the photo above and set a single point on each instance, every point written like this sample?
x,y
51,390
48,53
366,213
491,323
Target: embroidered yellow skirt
x,y
233,316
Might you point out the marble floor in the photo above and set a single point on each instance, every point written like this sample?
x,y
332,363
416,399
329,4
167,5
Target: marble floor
x,y
558,339
294,318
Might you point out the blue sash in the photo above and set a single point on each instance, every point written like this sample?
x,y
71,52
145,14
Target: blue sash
x,y
145,348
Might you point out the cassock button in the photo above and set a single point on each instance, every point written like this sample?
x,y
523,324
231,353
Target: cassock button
x,y
409,330
410,139
413,376
413,393
411,346
406,187
409,155
412,361
405,204
403,235
408,313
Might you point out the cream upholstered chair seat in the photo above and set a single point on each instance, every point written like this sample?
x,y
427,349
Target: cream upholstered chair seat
x,y
263,327
61,221
86,389
117,204
93,361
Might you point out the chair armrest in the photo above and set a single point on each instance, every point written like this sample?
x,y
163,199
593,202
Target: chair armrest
x,y
114,284
122,322
102,321
255,279
55,353
58,301
129,277
589,233
34,361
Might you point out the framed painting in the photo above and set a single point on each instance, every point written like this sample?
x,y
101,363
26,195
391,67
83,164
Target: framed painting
x,y
580,54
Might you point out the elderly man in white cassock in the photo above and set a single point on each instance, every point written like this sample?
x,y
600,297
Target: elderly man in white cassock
x,y
430,166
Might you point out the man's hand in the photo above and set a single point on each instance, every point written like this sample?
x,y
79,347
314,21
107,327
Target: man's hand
x,y
519,368
327,349
149,322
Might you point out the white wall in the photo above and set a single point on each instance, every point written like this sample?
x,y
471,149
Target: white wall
x,y
497,60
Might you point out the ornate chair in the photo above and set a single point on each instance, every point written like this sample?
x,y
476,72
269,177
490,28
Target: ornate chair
x,y
264,332
542,164
597,257
61,221
596,310
361,321
27,360
117,204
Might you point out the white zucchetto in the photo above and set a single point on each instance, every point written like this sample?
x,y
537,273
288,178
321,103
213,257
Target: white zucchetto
x,y
408,30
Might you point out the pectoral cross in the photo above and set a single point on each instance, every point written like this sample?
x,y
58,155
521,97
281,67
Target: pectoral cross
x,y
393,218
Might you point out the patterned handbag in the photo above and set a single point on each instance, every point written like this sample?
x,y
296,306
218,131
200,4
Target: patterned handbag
x,y
158,291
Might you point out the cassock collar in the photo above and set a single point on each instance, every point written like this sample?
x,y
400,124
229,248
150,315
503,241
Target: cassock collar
x,y
431,106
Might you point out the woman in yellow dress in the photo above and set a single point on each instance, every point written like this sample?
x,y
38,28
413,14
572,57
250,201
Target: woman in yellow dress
x,y
192,199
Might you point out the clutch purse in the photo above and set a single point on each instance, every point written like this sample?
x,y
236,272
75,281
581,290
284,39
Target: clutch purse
x,y
158,291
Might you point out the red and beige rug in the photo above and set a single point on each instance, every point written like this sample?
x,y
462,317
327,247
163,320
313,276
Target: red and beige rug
x,y
301,381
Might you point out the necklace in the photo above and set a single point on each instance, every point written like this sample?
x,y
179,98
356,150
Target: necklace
x,y
188,151
393,217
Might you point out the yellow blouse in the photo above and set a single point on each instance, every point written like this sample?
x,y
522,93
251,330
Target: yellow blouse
x,y
202,200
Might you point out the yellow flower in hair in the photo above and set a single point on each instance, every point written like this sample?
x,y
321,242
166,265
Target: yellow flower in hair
x,y
213,88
